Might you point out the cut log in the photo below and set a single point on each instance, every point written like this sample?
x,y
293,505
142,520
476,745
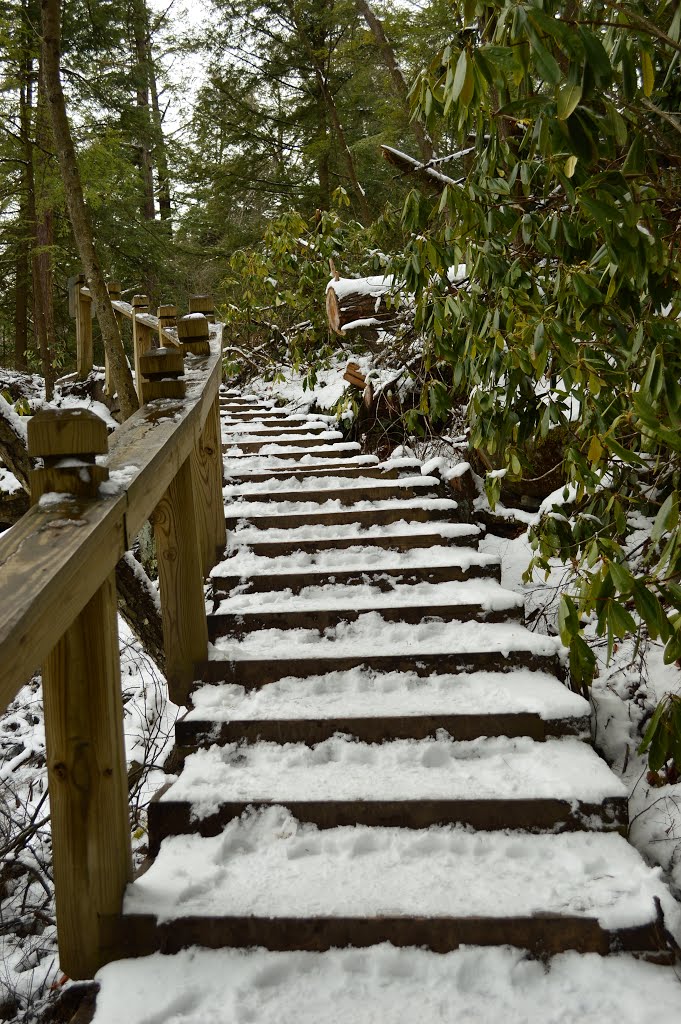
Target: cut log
x,y
353,376
358,304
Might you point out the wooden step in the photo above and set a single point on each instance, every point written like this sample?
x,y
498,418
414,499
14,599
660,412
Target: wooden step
x,y
375,707
283,429
381,515
228,623
339,452
488,783
268,880
385,541
305,472
258,424
296,443
383,577
259,672
347,494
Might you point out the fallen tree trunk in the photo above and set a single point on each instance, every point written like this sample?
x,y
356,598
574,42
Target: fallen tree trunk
x,y
359,304
13,444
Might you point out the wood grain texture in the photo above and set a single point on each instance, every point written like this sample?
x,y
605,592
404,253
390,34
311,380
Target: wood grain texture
x,y
54,559
51,563
206,463
87,780
84,356
185,632
142,340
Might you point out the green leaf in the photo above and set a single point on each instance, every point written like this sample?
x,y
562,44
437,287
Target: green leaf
x,y
596,56
621,577
652,726
459,76
582,662
568,98
568,621
667,518
469,11
647,73
672,651
620,621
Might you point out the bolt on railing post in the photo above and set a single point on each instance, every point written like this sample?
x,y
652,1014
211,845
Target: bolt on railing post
x,y
141,338
83,719
83,310
178,549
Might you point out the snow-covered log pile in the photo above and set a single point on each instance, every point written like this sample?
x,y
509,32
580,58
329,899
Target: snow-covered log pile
x,y
360,304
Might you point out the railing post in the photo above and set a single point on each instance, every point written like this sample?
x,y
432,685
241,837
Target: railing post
x,y
194,333
141,338
84,356
206,462
167,317
203,304
178,552
83,720
115,292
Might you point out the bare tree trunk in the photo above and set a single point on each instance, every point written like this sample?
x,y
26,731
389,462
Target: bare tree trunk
x,y
22,269
43,220
401,88
78,214
160,150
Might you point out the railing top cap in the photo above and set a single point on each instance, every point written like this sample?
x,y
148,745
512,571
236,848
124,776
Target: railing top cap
x,y
67,432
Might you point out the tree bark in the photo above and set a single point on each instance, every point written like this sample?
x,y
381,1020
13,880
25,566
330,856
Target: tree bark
x,y
22,271
43,222
78,214
13,447
423,140
137,605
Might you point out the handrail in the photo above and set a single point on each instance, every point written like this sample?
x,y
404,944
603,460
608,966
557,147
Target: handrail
x,y
58,605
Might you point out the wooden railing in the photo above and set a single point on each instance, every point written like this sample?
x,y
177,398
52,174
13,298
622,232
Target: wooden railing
x,y
58,592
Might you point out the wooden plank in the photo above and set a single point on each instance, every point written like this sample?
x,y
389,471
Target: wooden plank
x,y
206,463
51,564
87,780
176,817
149,448
54,559
185,633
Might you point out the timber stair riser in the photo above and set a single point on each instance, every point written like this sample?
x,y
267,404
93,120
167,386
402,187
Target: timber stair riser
x,y
235,625
541,935
295,441
363,517
275,431
387,542
168,818
252,674
346,496
336,451
304,473
382,578
190,734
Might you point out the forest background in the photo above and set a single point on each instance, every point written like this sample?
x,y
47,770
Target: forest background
x,y
524,219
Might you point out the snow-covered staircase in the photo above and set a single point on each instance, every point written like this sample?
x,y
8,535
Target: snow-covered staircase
x,y
378,749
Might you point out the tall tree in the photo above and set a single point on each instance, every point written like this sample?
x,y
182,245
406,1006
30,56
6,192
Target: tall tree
x,y
78,214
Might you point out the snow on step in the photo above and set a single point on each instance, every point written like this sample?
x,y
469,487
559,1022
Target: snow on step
x,y
363,693
245,534
326,485
371,634
286,439
487,594
251,509
240,464
244,563
341,769
384,985
277,449
266,864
